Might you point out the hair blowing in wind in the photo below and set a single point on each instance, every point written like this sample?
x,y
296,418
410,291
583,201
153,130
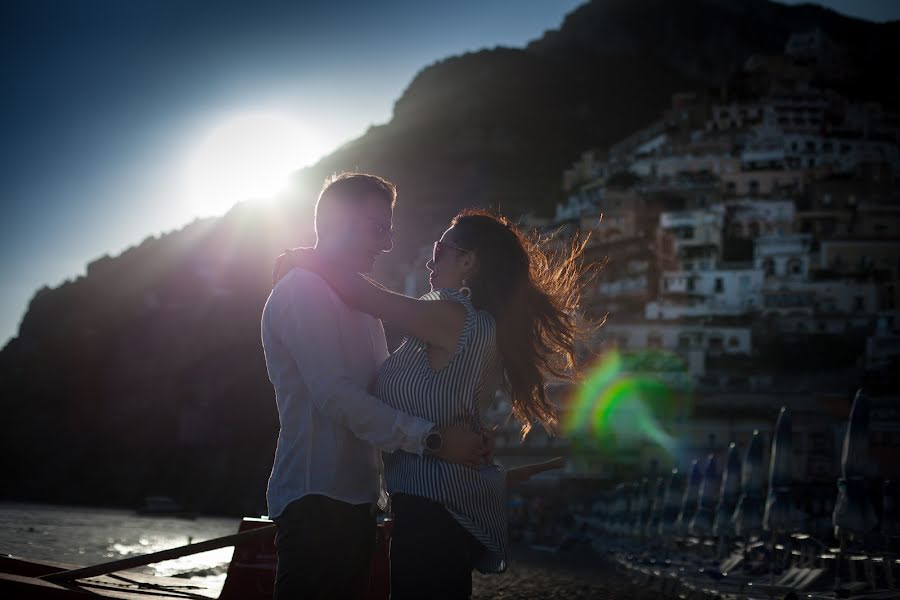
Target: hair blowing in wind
x,y
534,293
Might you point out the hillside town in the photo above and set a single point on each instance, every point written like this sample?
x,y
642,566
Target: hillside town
x,y
752,234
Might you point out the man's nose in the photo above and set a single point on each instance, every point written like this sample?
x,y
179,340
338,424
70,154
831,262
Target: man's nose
x,y
387,244
429,264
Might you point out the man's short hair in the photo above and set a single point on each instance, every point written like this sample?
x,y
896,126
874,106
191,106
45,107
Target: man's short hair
x,y
349,188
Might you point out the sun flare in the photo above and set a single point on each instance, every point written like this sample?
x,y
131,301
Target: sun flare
x,y
244,158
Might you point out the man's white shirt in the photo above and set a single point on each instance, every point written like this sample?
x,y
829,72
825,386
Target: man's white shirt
x,y
321,357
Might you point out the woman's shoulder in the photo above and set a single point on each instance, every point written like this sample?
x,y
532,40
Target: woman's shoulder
x,y
447,294
484,332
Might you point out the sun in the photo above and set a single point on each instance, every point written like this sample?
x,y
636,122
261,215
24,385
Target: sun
x,y
248,157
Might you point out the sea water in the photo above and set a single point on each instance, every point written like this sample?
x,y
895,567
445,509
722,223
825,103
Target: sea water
x,y
85,536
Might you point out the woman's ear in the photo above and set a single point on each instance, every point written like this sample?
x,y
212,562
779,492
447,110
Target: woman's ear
x,y
470,265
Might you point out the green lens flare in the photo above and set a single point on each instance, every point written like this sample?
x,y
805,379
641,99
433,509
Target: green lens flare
x,y
621,401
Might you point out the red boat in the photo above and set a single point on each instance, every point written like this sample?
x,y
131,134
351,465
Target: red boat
x,y
251,574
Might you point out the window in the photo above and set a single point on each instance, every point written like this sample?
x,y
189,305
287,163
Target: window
x,y
826,199
654,340
769,267
733,342
794,266
754,186
754,229
851,200
859,303
720,285
731,187
690,284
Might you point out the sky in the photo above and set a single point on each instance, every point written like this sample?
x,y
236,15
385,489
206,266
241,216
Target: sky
x,y
116,113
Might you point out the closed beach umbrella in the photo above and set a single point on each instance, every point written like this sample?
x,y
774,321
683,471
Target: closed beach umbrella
x,y
689,499
778,503
642,506
634,504
853,512
658,493
671,504
618,507
747,516
729,492
702,522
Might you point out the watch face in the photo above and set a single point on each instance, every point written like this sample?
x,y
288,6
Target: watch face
x,y
433,441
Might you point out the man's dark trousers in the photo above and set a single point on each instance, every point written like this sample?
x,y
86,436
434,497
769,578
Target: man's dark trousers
x,y
325,549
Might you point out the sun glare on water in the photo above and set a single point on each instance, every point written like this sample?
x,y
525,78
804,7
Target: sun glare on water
x,y
248,157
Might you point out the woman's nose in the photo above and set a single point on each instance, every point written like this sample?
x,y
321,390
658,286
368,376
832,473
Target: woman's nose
x,y
429,264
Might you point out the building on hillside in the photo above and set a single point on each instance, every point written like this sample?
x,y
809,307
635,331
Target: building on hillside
x,y
865,204
751,218
686,191
883,345
622,153
866,118
783,256
689,240
589,167
679,338
839,154
763,151
854,303
734,116
801,109
623,240
668,166
698,294
876,258
765,182
876,220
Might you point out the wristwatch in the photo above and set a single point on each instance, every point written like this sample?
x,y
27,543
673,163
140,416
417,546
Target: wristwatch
x,y
433,441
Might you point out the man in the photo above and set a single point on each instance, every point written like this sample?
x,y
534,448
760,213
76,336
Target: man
x,y
321,356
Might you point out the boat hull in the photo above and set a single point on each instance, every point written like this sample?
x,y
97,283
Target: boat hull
x,y
251,575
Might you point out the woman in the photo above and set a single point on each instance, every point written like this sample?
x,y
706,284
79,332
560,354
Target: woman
x,y
500,314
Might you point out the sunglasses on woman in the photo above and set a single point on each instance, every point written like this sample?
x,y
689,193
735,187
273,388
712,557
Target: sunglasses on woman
x,y
439,247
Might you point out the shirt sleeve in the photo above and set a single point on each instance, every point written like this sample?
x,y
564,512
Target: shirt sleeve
x,y
308,326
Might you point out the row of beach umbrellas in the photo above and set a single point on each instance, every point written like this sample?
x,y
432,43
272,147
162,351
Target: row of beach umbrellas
x,y
737,502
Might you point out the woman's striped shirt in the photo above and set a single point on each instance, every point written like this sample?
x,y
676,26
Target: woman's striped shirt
x,y
453,395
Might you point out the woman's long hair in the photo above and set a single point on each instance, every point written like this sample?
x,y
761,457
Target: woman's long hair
x,y
534,294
